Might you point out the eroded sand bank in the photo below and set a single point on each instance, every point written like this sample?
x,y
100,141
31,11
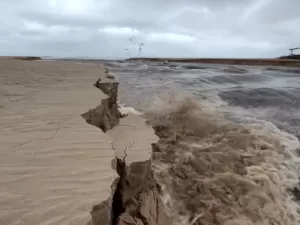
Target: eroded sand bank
x,y
53,165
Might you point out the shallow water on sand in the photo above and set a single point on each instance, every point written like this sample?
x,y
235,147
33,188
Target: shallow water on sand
x,y
264,99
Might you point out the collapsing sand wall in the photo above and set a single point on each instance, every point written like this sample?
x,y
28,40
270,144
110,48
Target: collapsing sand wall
x,y
106,115
135,195
204,170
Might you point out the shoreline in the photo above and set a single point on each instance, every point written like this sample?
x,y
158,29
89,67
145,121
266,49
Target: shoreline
x,y
141,194
229,61
146,193
135,197
53,154
280,62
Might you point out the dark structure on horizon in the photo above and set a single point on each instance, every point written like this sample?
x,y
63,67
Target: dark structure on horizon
x,y
292,55
292,50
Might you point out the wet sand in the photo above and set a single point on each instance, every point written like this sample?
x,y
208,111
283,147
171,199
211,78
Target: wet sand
x,y
53,165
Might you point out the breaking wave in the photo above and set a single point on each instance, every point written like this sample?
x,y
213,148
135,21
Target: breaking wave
x,y
214,171
128,110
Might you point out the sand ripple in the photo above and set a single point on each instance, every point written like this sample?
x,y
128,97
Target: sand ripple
x,y
53,165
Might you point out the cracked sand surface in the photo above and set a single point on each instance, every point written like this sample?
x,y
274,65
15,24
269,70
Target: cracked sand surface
x,y
53,165
132,139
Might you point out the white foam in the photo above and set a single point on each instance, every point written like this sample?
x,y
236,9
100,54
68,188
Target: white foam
x,y
129,110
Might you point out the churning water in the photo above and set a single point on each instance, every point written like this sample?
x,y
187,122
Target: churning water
x,y
235,155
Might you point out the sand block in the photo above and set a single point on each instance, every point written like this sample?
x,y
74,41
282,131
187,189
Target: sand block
x,y
133,138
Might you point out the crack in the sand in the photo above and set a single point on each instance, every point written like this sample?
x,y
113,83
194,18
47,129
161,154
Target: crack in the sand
x,y
132,126
27,142
46,140
24,97
125,149
20,99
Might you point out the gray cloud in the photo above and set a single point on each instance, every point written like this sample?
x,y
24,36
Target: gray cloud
x,y
178,28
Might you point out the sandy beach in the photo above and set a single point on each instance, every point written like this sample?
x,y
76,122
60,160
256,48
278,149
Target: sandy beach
x,y
53,165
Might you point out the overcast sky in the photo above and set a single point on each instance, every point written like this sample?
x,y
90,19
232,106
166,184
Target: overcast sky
x,y
167,28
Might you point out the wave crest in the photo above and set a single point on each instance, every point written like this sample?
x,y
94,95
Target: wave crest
x,y
219,172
